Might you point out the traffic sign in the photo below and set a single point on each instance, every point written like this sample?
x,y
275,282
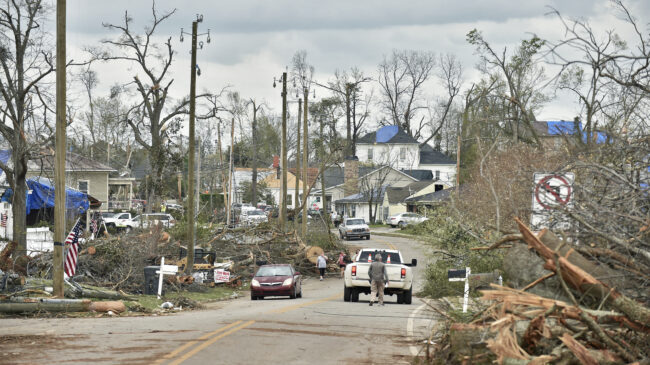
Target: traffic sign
x,y
552,190
552,193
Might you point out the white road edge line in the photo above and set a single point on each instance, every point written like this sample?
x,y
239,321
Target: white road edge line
x,y
409,329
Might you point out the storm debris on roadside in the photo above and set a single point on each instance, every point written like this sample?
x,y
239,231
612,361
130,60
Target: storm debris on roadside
x,y
588,320
114,267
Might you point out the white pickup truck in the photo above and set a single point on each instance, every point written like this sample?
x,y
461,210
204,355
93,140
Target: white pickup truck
x,y
400,275
115,220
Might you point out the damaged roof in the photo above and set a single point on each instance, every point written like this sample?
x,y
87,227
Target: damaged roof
x,y
429,156
73,162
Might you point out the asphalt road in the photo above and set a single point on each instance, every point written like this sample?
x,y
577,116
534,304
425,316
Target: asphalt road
x,y
319,328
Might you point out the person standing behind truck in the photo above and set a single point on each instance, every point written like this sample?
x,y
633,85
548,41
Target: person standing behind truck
x,y
378,280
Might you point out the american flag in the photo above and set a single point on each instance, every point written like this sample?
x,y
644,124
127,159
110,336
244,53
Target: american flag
x,y
93,224
3,220
72,242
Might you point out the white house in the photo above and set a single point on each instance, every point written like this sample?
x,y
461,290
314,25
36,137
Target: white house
x,y
391,146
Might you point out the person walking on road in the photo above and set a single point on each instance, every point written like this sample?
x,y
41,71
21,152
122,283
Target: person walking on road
x,y
342,263
321,263
378,280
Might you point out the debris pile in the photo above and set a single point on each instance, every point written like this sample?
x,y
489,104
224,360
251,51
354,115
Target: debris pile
x,y
596,322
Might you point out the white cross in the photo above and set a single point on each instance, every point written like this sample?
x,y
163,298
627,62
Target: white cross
x,y
165,270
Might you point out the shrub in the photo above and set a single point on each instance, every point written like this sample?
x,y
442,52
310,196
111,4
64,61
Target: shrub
x,y
450,245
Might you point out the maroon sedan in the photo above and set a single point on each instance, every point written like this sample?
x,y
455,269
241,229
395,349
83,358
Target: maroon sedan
x,y
276,280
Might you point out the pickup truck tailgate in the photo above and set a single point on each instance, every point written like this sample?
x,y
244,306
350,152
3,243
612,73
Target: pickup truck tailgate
x,y
394,271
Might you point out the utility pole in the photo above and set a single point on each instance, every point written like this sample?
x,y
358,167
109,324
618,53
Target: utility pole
x,y
283,194
190,183
230,170
59,168
223,179
297,197
305,165
198,179
191,150
179,175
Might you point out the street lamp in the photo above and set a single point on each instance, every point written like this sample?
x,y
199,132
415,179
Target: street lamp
x,y
194,70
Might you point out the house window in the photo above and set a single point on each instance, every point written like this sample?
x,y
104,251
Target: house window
x,y
438,187
82,185
289,199
353,211
318,199
370,155
402,153
437,174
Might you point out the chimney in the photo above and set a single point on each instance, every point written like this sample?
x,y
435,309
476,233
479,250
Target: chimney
x,y
351,175
276,165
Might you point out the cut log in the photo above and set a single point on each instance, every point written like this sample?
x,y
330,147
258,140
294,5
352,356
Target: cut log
x,y
46,305
585,282
113,306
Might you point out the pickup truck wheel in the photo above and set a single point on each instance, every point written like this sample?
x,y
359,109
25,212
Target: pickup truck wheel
x,y
368,237
341,234
346,294
400,299
408,296
354,296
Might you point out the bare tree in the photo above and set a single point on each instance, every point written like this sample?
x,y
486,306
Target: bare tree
x,y
451,74
348,88
609,78
153,122
402,77
524,80
26,60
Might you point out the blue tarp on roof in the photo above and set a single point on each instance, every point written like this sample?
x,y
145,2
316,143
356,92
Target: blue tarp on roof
x,y
42,196
562,127
598,137
384,134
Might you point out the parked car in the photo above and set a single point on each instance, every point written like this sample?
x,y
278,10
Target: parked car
x,y
113,220
253,217
147,220
354,227
404,219
171,206
276,280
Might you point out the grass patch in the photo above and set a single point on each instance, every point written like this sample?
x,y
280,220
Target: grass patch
x,y
147,303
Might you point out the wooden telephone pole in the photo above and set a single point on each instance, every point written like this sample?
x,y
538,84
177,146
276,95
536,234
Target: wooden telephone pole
x,y
191,151
59,167
283,194
305,165
298,177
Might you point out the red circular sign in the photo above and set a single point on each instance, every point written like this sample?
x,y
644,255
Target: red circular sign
x,y
545,190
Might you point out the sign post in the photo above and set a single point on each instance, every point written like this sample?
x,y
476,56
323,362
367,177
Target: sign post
x,y
552,192
461,275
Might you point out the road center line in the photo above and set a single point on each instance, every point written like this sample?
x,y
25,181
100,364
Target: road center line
x,y
390,245
208,343
300,305
193,342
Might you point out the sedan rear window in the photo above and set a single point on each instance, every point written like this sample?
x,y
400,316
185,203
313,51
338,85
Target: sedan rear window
x,y
274,271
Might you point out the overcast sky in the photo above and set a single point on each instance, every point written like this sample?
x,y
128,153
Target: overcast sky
x,y
254,40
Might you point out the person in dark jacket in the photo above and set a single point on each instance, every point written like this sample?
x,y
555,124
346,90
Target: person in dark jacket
x,y
378,280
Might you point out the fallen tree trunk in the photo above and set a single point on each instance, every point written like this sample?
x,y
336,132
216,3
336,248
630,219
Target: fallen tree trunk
x,y
47,305
585,282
